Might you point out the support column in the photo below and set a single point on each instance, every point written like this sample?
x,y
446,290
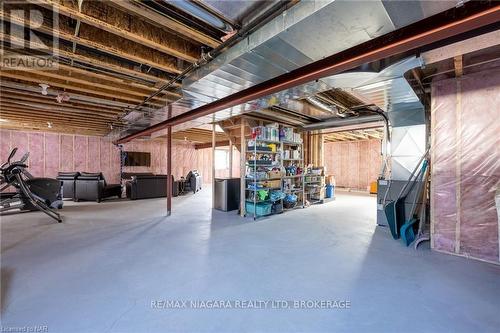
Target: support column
x,y
169,170
243,151
230,158
213,165
321,158
169,165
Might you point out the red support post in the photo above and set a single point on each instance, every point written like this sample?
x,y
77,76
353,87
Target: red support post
x,y
169,170
169,165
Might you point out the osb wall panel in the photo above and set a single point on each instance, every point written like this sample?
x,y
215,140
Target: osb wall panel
x,y
354,164
466,165
204,165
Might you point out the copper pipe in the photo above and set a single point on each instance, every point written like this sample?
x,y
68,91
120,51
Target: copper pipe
x,y
436,28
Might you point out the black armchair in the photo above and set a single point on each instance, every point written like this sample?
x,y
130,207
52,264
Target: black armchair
x,y
93,186
192,182
68,179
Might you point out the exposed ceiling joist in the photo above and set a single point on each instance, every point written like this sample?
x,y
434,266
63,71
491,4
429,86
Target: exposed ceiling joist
x,y
354,135
41,126
162,21
29,115
90,90
84,59
459,66
34,90
51,107
89,43
224,143
109,78
67,77
75,14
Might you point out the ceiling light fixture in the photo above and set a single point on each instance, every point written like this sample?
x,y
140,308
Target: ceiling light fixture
x,y
44,88
3,120
63,97
49,124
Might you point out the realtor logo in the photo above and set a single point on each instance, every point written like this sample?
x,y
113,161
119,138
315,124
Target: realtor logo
x,y
29,34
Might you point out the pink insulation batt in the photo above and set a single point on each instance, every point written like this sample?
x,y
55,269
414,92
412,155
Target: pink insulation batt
x,y
466,165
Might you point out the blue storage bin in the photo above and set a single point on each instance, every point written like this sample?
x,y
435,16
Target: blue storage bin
x,y
263,208
329,191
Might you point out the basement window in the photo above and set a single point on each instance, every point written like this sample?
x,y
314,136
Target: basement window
x,y
221,159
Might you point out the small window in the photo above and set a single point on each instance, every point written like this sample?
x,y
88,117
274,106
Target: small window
x,y
221,159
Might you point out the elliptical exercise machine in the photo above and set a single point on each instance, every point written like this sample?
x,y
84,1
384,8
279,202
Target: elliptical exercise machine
x,y
43,194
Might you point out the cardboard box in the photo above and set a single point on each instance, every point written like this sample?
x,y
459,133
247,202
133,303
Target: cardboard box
x,y
275,174
272,183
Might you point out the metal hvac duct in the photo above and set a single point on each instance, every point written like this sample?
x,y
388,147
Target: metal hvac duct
x,y
339,122
280,47
200,13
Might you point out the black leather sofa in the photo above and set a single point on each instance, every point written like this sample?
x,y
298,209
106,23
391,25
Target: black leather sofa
x,y
68,179
192,182
150,186
129,175
93,187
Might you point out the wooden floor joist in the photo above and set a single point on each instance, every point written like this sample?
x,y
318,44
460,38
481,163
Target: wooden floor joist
x,y
88,43
29,109
98,92
75,14
40,126
67,77
13,114
74,114
355,135
116,55
98,114
108,78
85,59
36,97
162,21
17,126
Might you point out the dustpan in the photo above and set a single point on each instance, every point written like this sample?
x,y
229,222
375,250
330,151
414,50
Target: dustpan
x,y
394,209
407,230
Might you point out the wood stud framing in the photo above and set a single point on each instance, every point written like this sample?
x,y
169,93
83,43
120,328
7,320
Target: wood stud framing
x,y
367,134
103,58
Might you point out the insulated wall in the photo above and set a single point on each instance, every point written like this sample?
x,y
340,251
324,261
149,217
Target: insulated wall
x,y
354,164
53,152
204,164
466,165
184,157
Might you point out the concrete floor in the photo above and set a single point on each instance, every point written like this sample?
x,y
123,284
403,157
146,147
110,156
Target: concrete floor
x,y
101,269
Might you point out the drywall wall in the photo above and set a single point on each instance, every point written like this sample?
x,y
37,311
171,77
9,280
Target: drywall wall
x,y
466,165
354,164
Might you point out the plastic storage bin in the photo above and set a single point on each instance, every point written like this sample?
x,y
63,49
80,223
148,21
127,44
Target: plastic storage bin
x,y
262,208
329,191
